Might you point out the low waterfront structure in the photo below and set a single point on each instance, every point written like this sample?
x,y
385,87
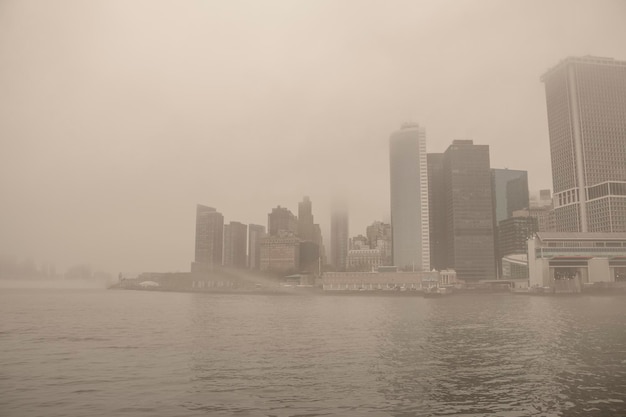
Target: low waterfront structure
x,y
377,281
567,262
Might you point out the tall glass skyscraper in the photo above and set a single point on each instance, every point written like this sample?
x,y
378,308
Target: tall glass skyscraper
x,y
209,239
339,226
409,198
462,211
586,103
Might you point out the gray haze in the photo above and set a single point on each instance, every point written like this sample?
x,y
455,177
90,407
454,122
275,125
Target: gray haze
x,y
117,117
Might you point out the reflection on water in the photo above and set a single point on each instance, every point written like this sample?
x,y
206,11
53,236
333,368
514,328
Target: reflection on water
x,y
130,353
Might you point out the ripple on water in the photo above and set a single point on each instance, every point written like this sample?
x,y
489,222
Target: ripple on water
x,y
125,353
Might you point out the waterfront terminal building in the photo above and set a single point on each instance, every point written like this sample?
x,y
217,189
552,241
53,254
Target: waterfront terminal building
x,y
569,262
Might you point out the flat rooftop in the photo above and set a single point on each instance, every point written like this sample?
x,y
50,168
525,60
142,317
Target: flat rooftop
x,y
580,236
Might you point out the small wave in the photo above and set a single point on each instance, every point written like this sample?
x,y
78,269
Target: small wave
x,y
120,347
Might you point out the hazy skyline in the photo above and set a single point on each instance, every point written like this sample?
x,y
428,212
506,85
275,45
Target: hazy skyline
x,y
117,118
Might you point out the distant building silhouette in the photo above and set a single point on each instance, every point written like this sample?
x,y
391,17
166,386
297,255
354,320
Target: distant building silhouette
x,y
587,126
305,220
280,253
510,191
319,240
209,237
281,219
235,240
309,257
379,237
409,198
542,210
339,236
255,234
310,232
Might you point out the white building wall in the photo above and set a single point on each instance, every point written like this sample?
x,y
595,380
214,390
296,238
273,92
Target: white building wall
x,y
409,198
598,270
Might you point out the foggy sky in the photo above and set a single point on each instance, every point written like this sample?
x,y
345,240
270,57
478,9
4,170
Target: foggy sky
x,y
118,117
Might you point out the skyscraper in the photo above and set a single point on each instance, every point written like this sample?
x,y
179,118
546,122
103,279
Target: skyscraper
x,y
510,193
255,234
281,219
514,233
339,236
510,189
409,198
437,214
305,220
209,236
311,247
587,127
468,229
235,244
318,239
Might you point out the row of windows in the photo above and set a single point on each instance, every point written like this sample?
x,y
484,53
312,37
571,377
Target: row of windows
x,y
544,252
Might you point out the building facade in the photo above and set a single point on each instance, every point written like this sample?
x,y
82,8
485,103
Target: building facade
x,y
364,260
235,240
312,248
587,128
437,211
306,227
510,192
209,238
379,237
379,281
467,233
513,235
339,237
409,198
567,262
256,232
281,219
544,216
280,254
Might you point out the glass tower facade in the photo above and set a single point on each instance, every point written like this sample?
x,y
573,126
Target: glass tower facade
x,y
409,198
586,104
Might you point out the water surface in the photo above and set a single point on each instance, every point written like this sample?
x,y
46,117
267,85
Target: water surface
x,y
93,352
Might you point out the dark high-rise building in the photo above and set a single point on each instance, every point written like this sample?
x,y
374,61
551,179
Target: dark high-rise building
x,y
255,234
235,245
510,190
306,228
339,237
409,198
510,193
209,236
587,127
281,219
310,261
312,247
514,233
437,211
318,239
468,234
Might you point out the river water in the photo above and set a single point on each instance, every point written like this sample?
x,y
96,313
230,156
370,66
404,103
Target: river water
x,y
89,352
